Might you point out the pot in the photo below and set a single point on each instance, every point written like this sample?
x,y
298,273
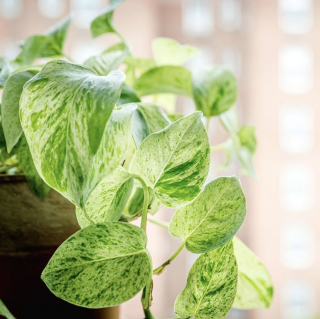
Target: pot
x,y
30,232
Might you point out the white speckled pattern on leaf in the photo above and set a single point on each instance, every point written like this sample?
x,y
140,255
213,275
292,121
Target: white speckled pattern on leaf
x,y
65,112
175,161
108,199
255,288
211,285
102,265
213,217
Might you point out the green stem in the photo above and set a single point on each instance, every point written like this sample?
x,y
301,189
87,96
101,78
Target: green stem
x,y
158,222
148,314
145,202
7,167
87,216
218,147
160,269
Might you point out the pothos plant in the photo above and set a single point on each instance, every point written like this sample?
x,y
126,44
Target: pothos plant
x,y
88,136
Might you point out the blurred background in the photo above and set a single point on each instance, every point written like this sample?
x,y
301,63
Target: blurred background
x,y
273,48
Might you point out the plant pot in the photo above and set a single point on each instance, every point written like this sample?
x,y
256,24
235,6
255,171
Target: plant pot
x,y
30,232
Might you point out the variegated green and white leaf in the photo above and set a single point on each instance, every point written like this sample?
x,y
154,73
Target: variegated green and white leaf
x,y
35,182
10,105
4,311
75,142
175,161
108,199
140,64
165,79
211,285
107,61
214,90
174,117
102,265
255,288
247,138
103,23
212,218
169,52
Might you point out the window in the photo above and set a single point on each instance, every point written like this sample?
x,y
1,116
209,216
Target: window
x,y
231,59
52,8
10,9
229,15
197,18
297,188
295,16
296,69
298,300
85,11
297,246
296,129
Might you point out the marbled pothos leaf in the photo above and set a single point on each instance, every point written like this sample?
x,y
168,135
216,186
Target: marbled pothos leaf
x,y
165,79
175,161
214,90
102,265
65,112
128,95
10,105
211,285
255,288
212,218
35,182
103,23
169,52
4,311
108,199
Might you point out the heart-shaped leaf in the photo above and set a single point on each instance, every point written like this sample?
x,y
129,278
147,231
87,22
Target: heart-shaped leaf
x,y
102,265
103,23
169,52
4,311
35,182
214,90
65,112
165,79
212,218
255,288
108,199
10,105
107,61
211,285
175,161
42,46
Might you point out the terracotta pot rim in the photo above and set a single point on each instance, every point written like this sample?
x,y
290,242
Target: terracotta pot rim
x,y
17,178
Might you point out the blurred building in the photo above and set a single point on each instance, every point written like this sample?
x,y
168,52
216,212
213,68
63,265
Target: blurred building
x,y
272,46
